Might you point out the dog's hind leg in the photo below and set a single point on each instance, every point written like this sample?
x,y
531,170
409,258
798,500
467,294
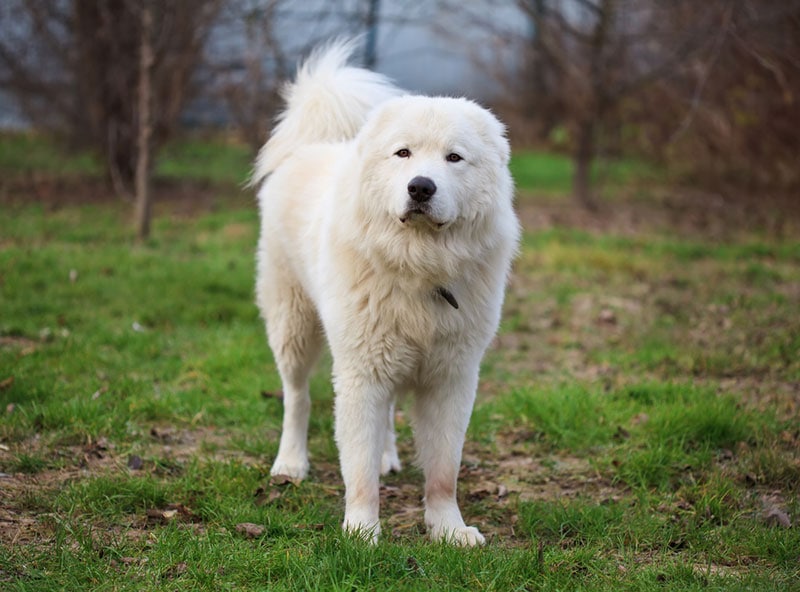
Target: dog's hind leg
x,y
295,337
390,461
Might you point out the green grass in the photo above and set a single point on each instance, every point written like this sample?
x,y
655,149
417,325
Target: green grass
x,y
547,173
32,153
639,409
207,160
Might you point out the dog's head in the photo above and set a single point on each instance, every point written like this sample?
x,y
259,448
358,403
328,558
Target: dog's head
x,y
429,162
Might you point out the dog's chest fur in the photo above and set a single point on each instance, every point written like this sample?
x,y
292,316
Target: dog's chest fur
x,y
406,334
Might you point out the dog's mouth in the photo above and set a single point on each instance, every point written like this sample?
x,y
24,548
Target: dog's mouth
x,y
421,215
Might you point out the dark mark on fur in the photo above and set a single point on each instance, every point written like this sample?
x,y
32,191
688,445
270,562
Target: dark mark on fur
x,y
447,295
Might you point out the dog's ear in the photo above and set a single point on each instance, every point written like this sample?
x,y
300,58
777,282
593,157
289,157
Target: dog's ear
x,y
377,119
498,135
491,130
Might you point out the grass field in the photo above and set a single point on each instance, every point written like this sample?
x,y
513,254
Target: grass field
x,y
636,427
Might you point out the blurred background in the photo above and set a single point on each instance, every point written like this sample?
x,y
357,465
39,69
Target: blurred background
x,y
638,414
708,93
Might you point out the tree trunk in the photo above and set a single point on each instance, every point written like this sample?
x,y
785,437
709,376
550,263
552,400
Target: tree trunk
x,y
596,108
370,55
145,127
584,156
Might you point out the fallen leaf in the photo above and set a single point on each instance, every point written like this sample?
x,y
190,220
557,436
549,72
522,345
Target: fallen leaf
x,y
184,512
677,544
777,517
177,570
165,435
413,565
283,480
314,526
250,530
272,394
6,382
96,449
98,392
171,512
482,491
135,462
156,515
389,491
607,316
266,496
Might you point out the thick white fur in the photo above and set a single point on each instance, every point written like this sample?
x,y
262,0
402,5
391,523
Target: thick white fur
x,y
344,256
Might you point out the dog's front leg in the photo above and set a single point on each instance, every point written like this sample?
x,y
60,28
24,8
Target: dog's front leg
x,y
361,411
441,416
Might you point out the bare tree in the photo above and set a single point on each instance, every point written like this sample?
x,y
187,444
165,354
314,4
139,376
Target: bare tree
x,y
257,55
604,53
74,65
371,25
145,94
247,77
587,65
36,61
734,108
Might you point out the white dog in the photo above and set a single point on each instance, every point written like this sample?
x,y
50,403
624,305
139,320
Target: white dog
x,y
387,227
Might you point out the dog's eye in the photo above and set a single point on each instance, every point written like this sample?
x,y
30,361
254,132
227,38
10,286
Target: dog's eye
x,y
453,157
403,153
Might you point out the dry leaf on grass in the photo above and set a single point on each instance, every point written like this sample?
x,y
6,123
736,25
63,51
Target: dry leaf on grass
x,y
164,435
272,394
280,480
171,512
264,496
135,462
250,530
777,517
156,515
413,565
313,526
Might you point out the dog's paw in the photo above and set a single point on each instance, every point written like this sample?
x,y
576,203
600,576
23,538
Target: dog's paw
x,y
297,471
390,463
463,536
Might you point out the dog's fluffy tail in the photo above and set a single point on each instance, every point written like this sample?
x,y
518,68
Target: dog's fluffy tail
x,y
328,102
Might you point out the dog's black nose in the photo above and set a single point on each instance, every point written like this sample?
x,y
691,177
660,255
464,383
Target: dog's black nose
x,y
421,189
